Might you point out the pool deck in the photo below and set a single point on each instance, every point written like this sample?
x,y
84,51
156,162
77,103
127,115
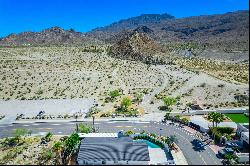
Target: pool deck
x,y
157,156
179,157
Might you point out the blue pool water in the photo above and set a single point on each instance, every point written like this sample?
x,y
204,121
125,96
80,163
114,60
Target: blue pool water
x,y
150,144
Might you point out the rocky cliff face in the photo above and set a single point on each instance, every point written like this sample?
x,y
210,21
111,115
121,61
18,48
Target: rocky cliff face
x,y
134,45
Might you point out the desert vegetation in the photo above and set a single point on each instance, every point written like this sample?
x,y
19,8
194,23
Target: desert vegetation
x,y
36,73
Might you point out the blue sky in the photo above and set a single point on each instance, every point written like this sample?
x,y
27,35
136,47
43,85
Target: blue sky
x,y
83,15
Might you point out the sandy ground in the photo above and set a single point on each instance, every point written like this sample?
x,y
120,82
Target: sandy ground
x,y
53,107
59,79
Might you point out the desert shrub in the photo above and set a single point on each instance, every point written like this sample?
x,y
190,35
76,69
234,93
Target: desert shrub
x,y
126,102
48,136
203,85
92,111
168,101
10,141
46,155
71,143
129,132
114,94
163,108
184,120
84,128
63,138
105,115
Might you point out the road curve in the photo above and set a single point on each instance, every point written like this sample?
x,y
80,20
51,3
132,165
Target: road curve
x,y
193,157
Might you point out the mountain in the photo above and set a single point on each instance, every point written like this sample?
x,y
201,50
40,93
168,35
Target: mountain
x,y
50,36
229,30
105,33
134,45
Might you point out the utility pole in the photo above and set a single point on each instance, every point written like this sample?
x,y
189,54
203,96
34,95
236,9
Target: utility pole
x,y
93,123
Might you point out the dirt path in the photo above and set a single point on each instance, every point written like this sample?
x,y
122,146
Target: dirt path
x,y
148,97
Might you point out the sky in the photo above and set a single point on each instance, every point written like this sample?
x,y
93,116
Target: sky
x,y
83,15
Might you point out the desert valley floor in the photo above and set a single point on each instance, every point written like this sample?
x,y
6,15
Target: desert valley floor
x,y
38,73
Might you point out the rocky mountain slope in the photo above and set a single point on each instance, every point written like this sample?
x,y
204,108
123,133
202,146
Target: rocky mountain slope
x,y
228,30
50,36
134,45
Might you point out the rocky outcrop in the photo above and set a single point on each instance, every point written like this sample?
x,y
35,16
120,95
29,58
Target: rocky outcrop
x,y
136,46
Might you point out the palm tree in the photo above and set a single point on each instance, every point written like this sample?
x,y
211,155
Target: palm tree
x,y
220,118
216,118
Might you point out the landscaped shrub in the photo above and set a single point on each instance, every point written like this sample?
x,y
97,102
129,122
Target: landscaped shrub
x,y
48,136
150,139
221,130
84,128
217,137
129,132
225,130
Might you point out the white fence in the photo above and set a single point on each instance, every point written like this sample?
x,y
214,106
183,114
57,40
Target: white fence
x,y
204,112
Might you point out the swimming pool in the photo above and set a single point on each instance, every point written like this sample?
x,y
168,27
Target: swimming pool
x,y
150,144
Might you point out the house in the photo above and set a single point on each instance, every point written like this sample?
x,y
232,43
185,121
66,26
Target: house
x,y
112,151
203,125
243,132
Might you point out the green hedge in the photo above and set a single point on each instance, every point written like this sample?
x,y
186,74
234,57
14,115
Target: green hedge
x,y
219,132
222,130
217,137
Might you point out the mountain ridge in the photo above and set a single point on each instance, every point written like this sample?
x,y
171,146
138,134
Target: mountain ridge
x,y
228,31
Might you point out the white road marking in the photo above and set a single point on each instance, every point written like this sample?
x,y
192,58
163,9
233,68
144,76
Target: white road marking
x,y
59,132
26,125
141,122
55,124
111,122
35,124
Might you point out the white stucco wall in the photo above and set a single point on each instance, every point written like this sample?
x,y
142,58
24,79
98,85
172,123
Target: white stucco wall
x,y
90,162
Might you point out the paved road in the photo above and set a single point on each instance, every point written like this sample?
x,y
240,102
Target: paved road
x,y
194,157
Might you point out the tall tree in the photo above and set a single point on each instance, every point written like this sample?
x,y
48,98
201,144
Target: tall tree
x,y
215,118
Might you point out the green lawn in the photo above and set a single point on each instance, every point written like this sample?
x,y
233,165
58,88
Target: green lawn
x,y
238,118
